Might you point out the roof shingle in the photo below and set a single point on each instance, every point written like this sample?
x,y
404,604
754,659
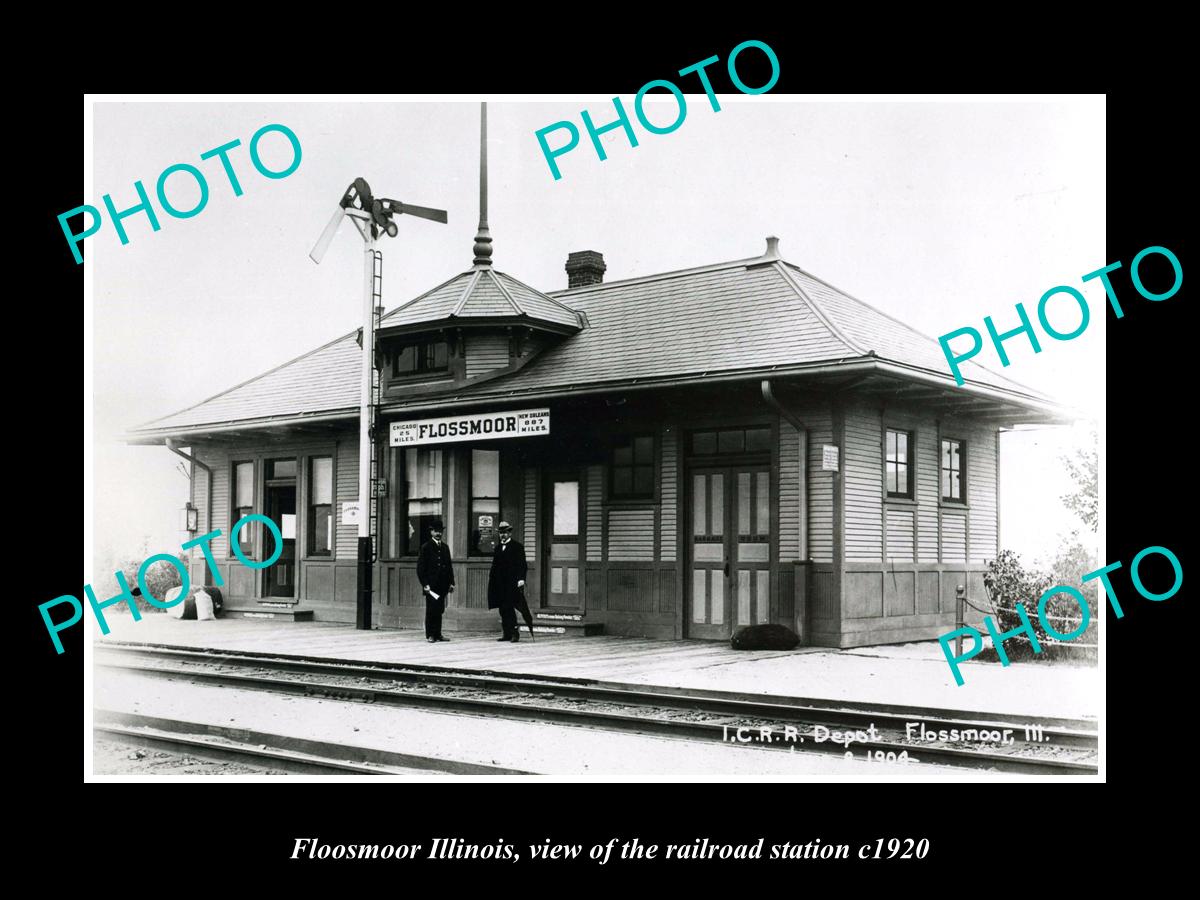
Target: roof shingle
x,y
748,314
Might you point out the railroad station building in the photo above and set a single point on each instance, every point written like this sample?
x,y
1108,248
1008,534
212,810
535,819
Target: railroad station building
x,y
680,453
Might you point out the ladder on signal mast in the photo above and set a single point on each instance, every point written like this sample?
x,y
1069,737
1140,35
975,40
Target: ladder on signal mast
x,y
377,312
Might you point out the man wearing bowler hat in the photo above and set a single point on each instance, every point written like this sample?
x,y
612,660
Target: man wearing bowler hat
x,y
436,574
506,582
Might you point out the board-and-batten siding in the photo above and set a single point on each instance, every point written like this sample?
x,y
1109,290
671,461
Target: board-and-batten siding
x,y
789,492
630,535
595,514
485,353
981,481
863,518
820,489
668,497
347,490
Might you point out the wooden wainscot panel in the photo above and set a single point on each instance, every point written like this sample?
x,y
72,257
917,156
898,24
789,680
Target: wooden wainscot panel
x,y
386,605
864,594
824,594
869,632
241,581
345,584
477,587
928,588
802,575
631,590
593,588
635,625
318,582
410,588
666,590
977,594
786,594
899,593
394,589
198,572
951,578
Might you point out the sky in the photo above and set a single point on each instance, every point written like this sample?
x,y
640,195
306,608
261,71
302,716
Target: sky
x,y
939,213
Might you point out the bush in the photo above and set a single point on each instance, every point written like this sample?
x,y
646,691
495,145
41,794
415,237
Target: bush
x,y
1008,583
160,578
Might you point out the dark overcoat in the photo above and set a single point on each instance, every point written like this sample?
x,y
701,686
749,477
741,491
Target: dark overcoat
x,y
434,567
508,567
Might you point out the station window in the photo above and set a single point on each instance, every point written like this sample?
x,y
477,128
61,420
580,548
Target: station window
x,y
423,481
320,506
897,463
243,503
485,500
633,467
731,440
954,469
281,468
392,512
420,357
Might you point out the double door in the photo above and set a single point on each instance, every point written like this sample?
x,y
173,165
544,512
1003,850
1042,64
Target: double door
x,y
729,555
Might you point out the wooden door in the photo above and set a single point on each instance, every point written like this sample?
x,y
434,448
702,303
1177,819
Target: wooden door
x,y
279,579
563,551
708,557
750,547
729,557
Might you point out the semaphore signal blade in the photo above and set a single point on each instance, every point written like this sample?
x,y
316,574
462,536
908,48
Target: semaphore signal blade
x,y
326,238
424,212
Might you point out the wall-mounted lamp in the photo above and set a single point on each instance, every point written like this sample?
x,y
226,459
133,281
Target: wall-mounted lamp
x,y
189,518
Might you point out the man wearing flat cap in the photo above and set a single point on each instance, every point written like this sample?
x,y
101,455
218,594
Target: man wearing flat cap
x,y
436,574
506,582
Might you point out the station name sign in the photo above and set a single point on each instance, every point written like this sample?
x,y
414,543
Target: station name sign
x,y
480,426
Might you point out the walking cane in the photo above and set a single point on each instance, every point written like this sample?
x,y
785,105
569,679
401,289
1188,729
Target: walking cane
x,y
526,614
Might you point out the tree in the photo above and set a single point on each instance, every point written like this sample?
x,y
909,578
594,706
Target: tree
x,y
1083,467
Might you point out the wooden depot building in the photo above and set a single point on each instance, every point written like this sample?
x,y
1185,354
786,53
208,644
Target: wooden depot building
x,y
680,453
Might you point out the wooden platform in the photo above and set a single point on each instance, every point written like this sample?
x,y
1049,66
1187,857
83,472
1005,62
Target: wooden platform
x,y
603,657
913,674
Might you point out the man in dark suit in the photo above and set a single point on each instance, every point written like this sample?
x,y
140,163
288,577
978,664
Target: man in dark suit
x,y
506,582
436,574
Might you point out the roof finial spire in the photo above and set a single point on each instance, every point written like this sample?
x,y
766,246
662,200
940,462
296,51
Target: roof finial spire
x,y
483,239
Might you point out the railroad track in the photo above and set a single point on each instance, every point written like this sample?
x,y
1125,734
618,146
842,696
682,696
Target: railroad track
x,y
272,751
1065,746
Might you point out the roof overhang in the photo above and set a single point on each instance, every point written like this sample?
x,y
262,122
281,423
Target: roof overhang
x,y
451,322
871,377
866,375
270,428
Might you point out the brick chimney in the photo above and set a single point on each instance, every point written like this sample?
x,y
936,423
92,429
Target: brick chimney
x,y
585,267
